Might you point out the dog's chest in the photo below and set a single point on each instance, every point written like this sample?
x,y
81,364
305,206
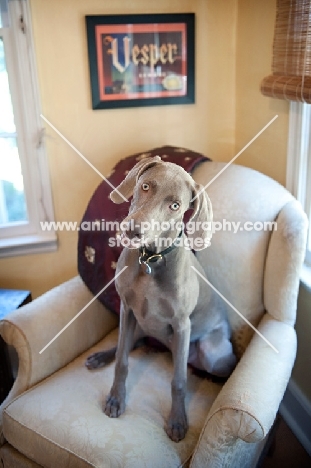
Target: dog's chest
x,y
160,299
153,308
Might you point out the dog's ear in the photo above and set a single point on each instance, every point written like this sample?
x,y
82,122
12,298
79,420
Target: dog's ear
x,y
126,188
202,218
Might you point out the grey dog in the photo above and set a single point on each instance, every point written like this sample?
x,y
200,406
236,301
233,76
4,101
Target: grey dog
x,y
162,296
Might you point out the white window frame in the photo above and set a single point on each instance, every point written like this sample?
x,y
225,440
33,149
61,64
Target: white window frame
x,y
298,176
27,238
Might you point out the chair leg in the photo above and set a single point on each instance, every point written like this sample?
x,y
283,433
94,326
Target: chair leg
x,y
270,445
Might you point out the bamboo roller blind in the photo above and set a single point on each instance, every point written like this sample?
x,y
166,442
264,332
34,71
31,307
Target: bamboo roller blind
x,y
291,64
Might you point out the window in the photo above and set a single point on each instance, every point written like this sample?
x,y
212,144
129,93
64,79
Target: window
x,y
13,207
25,194
291,80
299,160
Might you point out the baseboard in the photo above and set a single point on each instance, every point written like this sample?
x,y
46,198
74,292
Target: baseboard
x,y
296,410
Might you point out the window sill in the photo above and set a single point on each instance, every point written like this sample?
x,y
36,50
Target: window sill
x,y
305,276
26,245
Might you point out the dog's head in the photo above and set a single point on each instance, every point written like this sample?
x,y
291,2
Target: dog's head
x,y
162,193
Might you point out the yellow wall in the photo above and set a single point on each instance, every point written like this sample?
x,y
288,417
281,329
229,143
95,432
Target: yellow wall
x,y
106,135
233,53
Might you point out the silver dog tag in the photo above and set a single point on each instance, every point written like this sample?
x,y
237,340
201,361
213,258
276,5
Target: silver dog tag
x,y
147,267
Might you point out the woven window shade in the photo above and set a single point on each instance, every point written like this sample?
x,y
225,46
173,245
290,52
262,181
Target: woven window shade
x,y
291,64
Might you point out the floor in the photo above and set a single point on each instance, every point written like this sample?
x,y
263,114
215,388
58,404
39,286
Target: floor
x,y
286,451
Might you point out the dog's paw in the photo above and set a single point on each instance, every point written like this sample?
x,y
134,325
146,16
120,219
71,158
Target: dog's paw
x,y
176,430
114,407
95,361
100,359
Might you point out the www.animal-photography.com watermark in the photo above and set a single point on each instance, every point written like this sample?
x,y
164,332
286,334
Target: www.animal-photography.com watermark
x,y
191,227
160,230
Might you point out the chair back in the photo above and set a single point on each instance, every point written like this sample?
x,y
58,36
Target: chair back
x,y
245,204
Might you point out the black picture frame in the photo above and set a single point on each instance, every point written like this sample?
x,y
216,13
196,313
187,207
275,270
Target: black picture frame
x,y
141,60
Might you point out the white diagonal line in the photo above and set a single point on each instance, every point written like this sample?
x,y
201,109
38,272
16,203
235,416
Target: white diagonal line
x,y
82,310
235,310
236,156
81,156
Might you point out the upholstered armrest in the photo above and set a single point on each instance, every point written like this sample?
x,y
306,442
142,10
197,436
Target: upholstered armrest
x,y
286,253
247,404
30,328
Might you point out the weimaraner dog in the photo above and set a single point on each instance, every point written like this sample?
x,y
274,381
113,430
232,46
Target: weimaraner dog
x,y
161,295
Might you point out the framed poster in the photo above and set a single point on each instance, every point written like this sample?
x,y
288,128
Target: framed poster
x,y
141,60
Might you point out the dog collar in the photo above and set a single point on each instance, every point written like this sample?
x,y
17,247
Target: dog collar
x,y
147,256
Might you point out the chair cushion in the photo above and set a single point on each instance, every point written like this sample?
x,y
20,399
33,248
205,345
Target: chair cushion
x,y
60,422
96,259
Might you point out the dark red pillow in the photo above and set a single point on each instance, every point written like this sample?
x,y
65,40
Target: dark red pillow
x,y
96,259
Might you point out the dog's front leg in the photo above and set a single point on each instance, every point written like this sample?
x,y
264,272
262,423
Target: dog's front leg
x,y
115,404
177,425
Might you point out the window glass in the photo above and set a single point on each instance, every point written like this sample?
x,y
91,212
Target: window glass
x,y
12,196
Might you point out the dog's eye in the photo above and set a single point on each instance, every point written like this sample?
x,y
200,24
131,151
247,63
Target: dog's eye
x,y
174,206
145,187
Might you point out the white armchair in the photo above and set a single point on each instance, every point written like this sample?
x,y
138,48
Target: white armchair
x,y
53,415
